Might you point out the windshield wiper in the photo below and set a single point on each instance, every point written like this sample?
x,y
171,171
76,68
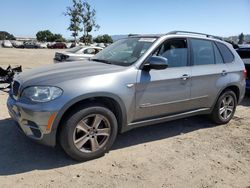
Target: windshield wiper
x,y
101,60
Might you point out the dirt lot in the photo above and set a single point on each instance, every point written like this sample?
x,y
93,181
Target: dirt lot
x,y
186,153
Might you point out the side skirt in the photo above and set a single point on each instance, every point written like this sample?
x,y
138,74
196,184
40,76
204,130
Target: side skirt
x,y
165,119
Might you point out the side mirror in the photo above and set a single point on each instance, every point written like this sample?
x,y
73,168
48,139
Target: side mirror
x,y
156,62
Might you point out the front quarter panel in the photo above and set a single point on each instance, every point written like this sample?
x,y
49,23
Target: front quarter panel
x,y
112,85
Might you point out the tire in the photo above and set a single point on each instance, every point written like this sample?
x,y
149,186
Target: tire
x,y
224,108
79,125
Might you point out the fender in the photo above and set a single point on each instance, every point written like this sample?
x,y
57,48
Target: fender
x,y
88,96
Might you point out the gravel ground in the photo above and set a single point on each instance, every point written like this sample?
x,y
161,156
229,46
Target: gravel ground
x,y
192,152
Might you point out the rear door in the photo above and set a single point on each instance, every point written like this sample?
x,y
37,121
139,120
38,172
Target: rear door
x,y
209,73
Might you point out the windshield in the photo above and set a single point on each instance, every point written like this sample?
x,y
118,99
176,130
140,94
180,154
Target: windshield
x,y
75,49
124,52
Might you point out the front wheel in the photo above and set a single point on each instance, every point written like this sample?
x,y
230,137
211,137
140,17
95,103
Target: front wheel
x,y
89,133
224,108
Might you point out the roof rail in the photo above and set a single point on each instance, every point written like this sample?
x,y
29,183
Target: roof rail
x,y
194,33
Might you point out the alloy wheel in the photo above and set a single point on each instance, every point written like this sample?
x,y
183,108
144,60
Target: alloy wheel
x,y
226,107
92,133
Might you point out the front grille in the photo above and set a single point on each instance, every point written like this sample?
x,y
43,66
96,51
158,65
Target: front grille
x,y
15,88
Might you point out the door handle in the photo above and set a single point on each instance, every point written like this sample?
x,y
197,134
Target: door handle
x,y
224,73
185,77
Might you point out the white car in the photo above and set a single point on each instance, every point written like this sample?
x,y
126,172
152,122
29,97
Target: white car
x,y
41,44
7,44
76,54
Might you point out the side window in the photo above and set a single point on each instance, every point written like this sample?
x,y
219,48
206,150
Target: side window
x,y
218,58
175,50
89,51
203,53
225,52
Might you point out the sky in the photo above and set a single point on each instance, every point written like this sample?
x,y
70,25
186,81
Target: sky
x,y
24,18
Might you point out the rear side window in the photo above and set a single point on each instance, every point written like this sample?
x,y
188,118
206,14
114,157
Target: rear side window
x,y
203,52
227,55
218,58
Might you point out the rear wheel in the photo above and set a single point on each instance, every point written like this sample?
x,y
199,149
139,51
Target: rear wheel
x,y
89,133
224,108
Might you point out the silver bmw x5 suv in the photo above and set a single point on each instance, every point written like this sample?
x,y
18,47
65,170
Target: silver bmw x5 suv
x,y
137,81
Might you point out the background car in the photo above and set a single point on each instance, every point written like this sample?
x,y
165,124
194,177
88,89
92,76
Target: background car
x,y
77,53
41,44
244,53
69,44
7,44
17,44
30,45
102,45
58,45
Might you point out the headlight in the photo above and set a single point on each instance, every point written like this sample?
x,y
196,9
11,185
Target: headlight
x,y
42,93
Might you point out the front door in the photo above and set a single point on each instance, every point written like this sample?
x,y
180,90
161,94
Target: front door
x,y
165,92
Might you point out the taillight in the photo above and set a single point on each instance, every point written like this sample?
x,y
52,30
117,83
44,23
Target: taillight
x,y
245,73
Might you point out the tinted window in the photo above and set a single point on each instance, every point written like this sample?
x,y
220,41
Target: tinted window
x,y
175,51
203,52
225,52
218,58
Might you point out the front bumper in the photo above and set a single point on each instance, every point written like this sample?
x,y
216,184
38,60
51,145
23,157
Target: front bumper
x,y
34,122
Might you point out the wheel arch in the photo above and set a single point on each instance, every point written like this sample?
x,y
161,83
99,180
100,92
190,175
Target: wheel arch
x,y
234,88
111,101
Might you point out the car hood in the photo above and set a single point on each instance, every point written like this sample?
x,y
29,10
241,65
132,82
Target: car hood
x,y
57,73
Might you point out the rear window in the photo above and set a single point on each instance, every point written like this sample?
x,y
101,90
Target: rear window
x,y
227,55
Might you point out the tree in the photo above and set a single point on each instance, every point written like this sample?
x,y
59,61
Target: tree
x,y
48,36
45,36
6,36
82,18
103,39
58,38
86,39
88,18
241,38
74,13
